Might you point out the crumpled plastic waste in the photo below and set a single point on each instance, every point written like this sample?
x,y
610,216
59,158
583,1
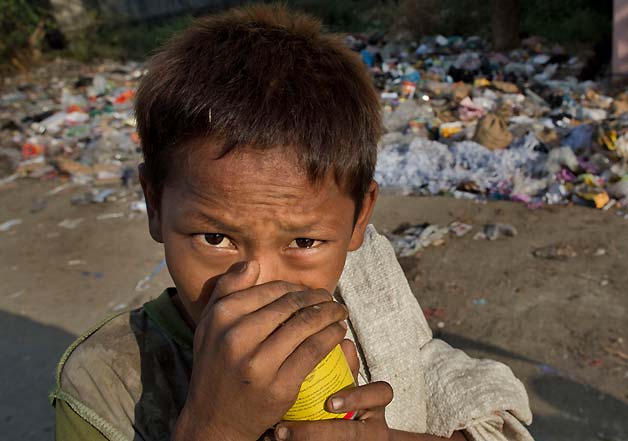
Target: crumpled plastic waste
x,y
516,125
72,123
408,240
460,120
496,231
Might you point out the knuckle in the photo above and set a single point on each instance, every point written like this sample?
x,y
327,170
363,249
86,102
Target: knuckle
x,y
248,370
284,286
312,348
340,310
309,316
231,337
220,309
323,295
296,300
279,394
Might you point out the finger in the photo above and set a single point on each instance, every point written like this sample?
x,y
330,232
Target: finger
x,y
321,430
261,296
264,321
351,354
232,308
304,358
301,326
239,276
370,396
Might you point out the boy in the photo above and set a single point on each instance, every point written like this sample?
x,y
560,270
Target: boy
x,y
259,136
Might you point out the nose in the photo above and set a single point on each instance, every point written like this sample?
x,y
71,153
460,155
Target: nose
x,y
272,268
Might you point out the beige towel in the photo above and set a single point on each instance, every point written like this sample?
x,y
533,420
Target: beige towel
x,y
438,389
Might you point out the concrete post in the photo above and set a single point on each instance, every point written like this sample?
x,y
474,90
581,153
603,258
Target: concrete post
x,y
620,40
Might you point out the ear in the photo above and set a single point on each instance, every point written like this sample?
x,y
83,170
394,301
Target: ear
x,y
152,205
368,204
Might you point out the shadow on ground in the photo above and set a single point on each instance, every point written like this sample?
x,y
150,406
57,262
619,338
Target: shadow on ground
x,y
581,412
30,352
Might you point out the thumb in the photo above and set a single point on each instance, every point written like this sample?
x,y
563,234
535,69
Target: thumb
x,y
239,276
351,354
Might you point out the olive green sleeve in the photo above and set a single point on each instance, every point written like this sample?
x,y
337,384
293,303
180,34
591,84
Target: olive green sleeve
x,y
71,427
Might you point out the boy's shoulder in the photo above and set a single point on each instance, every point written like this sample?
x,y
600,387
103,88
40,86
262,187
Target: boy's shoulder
x,y
130,370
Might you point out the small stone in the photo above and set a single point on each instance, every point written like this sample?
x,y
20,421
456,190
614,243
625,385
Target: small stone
x,y
599,252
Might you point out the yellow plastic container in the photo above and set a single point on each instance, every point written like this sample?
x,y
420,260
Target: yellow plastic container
x,y
331,375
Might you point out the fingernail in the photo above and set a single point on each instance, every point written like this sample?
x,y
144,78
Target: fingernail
x,y
337,403
282,433
240,267
343,324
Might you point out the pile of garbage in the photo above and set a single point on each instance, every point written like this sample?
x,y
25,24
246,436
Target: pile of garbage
x,y
476,124
74,124
460,120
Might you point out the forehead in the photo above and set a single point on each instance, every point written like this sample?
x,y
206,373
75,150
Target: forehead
x,y
266,183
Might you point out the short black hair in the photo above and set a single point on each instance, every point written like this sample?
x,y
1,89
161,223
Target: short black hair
x,y
262,76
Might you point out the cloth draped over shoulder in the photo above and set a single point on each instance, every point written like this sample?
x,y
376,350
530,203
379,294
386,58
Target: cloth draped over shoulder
x,y
438,389
127,378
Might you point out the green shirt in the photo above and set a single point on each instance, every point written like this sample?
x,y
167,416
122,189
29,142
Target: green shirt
x,y
127,378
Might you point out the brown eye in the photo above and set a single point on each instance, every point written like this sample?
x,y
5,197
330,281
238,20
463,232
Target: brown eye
x,y
303,242
217,240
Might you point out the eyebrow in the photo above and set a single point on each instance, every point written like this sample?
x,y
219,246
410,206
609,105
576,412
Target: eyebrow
x,y
206,219
223,227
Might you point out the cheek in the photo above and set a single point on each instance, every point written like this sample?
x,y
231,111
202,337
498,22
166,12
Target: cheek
x,y
326,272
193,277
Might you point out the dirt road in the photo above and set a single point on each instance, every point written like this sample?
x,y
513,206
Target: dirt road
x,y
560,324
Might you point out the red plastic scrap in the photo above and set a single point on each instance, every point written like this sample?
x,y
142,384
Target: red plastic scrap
x,y
124,96
30,150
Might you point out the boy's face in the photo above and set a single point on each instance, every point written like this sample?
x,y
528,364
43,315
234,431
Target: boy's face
x,y
252,205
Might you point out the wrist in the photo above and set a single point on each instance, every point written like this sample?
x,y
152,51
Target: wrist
x,y
190,428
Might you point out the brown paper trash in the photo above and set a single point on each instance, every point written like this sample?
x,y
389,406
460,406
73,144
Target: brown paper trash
x,y
505,87
492,132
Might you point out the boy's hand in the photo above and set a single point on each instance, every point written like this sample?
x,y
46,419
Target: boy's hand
x,y
371,399
253,346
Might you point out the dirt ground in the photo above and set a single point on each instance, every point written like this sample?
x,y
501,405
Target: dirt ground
x,y
561,325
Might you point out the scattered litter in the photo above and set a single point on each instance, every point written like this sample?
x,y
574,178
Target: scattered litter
x,y
106,216
71,224
16,294
496,231
516,126
460,229
120,307
480,301
547,369
139,206
7,225
599,252
95,274
58,189
617,353
143,284
461,120
38,205
558,251
408,240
